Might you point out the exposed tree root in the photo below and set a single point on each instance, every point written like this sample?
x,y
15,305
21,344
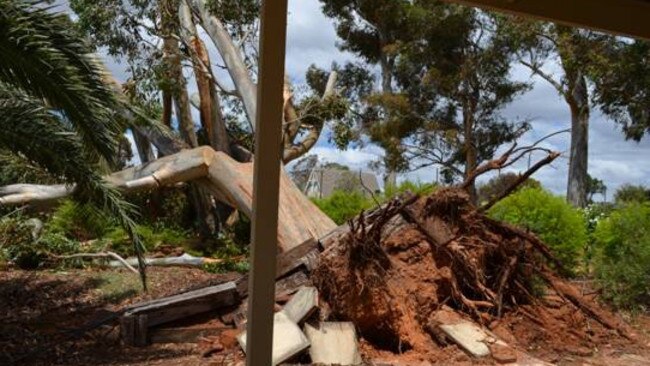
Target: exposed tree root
x,y
397,265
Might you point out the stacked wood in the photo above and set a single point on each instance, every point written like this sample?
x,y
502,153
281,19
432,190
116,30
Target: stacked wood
x,y
137,320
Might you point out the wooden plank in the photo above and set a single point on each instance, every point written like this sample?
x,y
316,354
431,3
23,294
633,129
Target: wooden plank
x,y
291,284
127,329
333,343
292,259
288,339
183,334
141,336
302,304
183,305
284,286
333,236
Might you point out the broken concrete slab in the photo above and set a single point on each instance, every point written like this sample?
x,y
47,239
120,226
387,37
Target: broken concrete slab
x,y
302,304
288,339
333,343
469,337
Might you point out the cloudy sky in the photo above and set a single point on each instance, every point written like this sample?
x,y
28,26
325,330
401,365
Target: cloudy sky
x,y
312,39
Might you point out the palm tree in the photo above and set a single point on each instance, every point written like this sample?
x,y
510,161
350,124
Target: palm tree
x,y
55,110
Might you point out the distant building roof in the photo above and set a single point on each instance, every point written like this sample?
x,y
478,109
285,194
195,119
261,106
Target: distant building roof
x,y
324,181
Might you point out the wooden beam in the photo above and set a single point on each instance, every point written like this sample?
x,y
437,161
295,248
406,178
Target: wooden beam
x,y
624,17
266,182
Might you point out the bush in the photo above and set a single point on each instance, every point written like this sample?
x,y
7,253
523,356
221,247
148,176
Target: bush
x,y
622,263
630,193
20,247
341,206
408,186
152,237
15,242
594,214
79,221
500,183
555,222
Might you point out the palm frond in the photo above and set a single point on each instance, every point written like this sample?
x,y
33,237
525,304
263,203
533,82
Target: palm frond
x,y
27,127
42,56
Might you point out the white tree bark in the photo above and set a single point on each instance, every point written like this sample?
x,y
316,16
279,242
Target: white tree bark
x,y
235,65
229,181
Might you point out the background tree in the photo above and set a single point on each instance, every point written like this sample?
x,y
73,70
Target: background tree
x,y
445,79
622,85
629,193
595,186
372,30
540,44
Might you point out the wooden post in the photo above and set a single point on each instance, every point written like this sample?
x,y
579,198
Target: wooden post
x,y
266,182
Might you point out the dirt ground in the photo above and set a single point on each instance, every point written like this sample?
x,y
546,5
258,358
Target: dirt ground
x,y
45,313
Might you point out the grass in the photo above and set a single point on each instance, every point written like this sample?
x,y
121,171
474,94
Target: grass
x,y
113,287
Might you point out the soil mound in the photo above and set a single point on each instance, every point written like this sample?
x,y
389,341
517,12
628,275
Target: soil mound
x,y
398,266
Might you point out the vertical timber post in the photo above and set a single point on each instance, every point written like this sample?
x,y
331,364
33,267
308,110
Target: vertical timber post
x,y
266,182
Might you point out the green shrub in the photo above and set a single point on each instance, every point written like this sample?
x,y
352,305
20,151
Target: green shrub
x,y
550,217
622,263
342,206
152,237
16,242
594,214
19,246
82,222
630,193
408,186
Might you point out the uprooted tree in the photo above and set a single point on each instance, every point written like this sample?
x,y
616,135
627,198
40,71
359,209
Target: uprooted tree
x,y
223,170
161,42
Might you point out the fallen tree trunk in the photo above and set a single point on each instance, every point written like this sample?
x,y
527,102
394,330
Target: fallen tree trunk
x,y
229,181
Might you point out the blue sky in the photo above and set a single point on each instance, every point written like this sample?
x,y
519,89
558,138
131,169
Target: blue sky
x,y
311,39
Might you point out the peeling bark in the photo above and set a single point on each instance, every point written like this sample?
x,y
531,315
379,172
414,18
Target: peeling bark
x,y
231,56
209,106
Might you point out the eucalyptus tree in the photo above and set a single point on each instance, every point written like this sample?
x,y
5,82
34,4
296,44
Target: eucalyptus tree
x,y
444,81
622,85
161,42
574,52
